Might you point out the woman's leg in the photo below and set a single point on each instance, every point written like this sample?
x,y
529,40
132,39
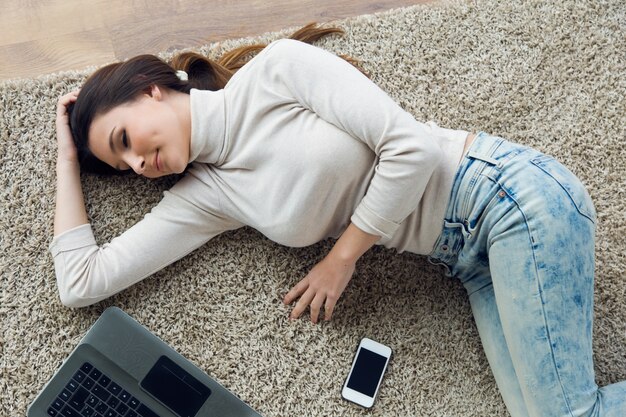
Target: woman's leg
x,y
519,234
487,319
462,247
541,258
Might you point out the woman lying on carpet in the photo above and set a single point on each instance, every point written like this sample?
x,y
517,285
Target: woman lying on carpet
x,y
302,146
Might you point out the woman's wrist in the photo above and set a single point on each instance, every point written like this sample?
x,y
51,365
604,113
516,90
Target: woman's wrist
x,y
70,206
352,244
343,257
67,162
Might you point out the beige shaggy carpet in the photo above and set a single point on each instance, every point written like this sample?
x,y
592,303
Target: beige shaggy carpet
x,y
550,74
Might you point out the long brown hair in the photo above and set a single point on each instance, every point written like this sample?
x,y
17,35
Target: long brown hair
x,y
123,82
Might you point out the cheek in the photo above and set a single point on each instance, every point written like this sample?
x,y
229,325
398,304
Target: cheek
x,y
142,137
171,137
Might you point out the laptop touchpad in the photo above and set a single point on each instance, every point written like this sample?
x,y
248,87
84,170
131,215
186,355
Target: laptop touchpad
x,y
175,388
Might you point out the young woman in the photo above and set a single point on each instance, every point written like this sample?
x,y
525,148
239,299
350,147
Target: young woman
x,y
300,145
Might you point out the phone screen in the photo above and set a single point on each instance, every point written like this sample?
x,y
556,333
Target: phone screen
x,y
367,372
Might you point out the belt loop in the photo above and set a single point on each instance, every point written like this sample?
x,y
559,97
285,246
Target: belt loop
x,y
489,160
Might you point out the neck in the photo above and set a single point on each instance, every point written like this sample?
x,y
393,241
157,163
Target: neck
x,y
208,125
180,102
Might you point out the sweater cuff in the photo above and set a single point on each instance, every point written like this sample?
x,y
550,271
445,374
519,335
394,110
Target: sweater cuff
x,y
71,239
370,222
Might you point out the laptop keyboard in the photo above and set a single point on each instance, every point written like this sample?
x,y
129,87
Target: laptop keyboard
x,y
90,393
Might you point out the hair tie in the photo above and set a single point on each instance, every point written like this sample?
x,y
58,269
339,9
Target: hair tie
x,y
182,75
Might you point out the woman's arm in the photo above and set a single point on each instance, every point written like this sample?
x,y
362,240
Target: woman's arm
x,y
87,273
325,283
406,151
406,156
187,217
70,207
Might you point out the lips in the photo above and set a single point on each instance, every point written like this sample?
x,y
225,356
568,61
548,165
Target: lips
x,y
157,162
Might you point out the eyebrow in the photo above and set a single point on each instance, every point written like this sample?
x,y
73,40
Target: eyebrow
x,y
111,140
111,145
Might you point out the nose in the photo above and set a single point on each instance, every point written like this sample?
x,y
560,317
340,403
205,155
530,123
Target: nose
x,y
138,164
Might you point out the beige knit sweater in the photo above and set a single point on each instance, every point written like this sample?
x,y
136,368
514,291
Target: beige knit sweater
x,y
297,145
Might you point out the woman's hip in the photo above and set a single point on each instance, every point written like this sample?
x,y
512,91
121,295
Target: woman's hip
x,y
499,182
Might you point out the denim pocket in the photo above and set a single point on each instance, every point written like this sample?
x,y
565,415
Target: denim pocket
x,y
480,208
569,182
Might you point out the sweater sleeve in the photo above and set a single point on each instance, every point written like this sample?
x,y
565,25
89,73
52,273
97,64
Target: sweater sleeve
x,y
340,94
87,273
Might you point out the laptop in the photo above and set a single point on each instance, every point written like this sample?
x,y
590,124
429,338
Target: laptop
x,y
120,369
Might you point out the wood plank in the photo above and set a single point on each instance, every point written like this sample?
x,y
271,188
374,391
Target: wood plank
x,y
44,36
23,21
190,27
65,52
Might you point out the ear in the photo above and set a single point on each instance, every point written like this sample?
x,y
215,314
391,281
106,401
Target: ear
x,y
155,92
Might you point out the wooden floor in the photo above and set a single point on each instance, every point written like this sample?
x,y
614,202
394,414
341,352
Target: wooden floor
x,y
45,36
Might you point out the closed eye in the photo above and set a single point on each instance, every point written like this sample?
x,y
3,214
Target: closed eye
x,y
124,139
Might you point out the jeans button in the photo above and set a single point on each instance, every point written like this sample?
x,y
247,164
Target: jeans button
x,y
501,194
444,248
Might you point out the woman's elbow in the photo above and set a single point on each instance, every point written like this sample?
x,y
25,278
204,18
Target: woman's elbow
x,y
75,299
70,300
78,288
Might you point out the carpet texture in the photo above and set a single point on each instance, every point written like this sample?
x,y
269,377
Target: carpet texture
x,y
543,73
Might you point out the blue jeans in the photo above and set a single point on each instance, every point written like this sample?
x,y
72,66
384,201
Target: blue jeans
x,y
519,234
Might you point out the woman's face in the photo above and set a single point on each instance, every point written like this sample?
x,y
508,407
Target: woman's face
x,y
150,135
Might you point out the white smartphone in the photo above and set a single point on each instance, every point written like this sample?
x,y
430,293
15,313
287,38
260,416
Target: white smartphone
x,y
368,368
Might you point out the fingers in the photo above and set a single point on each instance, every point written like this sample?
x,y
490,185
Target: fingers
x,y
68,98
328,308
315,306
296,291
302,304
65,100
65,144
314,300
322,287
308,297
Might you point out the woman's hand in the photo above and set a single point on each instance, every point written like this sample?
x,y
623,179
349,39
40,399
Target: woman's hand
x,y
322,286
66,148
327,280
